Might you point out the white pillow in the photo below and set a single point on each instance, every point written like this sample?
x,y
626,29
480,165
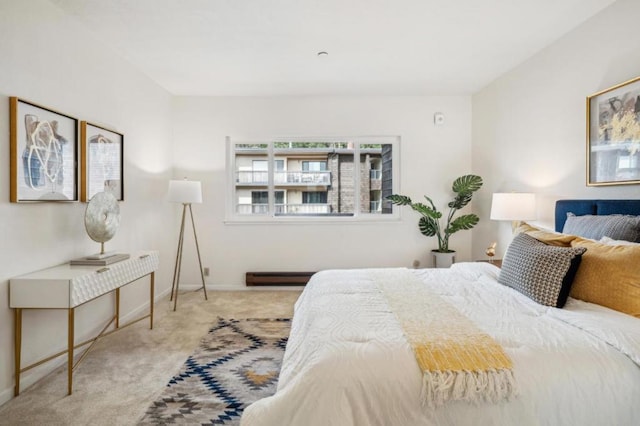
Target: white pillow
x,y
611,242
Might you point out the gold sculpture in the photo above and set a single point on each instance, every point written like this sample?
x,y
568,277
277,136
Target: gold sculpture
x,y
491,251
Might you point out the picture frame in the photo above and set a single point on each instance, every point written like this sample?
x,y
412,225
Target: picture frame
x,y
102,167
43,153
613,135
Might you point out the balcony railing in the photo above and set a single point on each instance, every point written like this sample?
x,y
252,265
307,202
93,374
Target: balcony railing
x,y
303,208
282,209
249,177
252,208
252,177
375,174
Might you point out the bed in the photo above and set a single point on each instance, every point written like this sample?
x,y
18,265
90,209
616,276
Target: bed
x,y
350,359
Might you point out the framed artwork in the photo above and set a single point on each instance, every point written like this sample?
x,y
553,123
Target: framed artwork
x,y
43,153
101,165
613,135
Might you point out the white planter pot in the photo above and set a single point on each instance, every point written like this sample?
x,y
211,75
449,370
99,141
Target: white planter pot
x,y
443,260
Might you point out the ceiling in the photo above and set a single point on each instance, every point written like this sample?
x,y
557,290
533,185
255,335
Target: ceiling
x,y
375,47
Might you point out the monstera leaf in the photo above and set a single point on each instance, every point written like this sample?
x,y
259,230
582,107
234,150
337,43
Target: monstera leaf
x,y
428,226
466,221
467,184
400,200
426,211
464,187
461,200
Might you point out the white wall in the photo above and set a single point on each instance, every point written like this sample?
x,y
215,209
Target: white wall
x,y
48,59
529,129
431,157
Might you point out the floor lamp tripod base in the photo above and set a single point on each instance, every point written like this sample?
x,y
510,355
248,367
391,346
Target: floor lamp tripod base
x,y
176,272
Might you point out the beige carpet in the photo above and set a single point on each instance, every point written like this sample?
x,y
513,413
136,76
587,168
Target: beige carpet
x,y
127,370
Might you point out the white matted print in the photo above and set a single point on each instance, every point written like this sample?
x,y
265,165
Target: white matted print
x,y
102,164
43,154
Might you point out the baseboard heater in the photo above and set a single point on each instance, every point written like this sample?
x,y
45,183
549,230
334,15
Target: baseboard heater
x,y
277,278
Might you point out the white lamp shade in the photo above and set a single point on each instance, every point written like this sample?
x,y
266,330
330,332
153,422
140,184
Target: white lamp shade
x,y
185,191
513,206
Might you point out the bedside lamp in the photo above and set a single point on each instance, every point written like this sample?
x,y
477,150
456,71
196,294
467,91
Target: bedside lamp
x,y
513,206
186,192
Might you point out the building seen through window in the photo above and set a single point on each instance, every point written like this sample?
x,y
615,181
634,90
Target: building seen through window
x,y
300,178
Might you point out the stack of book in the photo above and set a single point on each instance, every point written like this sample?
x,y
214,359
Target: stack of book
x,y
91,261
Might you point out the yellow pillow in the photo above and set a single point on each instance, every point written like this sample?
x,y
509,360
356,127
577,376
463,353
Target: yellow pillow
x,y
547,237
524,227
608,276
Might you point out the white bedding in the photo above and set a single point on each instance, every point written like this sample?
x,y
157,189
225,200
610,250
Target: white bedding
x,y
348,363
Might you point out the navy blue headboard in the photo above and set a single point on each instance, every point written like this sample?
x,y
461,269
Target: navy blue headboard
x,y
599,207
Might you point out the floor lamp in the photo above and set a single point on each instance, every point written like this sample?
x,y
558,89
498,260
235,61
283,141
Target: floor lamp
x,y
186,192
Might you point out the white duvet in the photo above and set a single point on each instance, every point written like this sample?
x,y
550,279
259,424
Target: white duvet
x,y
347,362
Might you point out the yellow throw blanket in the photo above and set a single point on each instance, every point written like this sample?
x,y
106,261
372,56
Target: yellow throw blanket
x,y
458,361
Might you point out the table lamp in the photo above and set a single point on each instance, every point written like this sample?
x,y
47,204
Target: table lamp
x,y
513,206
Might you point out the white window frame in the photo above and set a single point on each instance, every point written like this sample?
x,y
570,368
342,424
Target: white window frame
x,y
232,217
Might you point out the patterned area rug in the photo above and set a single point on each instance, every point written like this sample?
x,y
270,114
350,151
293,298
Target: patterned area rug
x,y
237,363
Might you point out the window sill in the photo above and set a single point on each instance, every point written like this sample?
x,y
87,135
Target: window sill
x,y
292,220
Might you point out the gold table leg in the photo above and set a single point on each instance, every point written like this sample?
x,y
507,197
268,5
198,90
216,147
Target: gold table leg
x,y
118,307
17,336
70,338
151,299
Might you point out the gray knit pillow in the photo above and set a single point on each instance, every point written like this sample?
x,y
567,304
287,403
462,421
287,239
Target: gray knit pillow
x,y
541,272
616,226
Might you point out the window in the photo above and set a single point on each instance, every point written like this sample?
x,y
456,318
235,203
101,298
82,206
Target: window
x,y
259,171
314,166
375,173
260,201
314,197
376,201
339,178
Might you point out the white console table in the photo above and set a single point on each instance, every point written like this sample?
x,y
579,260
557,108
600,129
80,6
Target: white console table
x,y
67,287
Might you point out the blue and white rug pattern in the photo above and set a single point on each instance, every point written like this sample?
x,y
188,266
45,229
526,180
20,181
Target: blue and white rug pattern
x,y
237,363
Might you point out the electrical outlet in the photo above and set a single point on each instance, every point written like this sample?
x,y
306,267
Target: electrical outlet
x,y
206,271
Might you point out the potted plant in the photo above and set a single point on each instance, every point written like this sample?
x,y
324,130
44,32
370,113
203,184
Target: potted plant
x,y
429,223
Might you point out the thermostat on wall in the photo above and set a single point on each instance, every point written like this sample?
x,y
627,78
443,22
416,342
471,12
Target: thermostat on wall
x,y
438,119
